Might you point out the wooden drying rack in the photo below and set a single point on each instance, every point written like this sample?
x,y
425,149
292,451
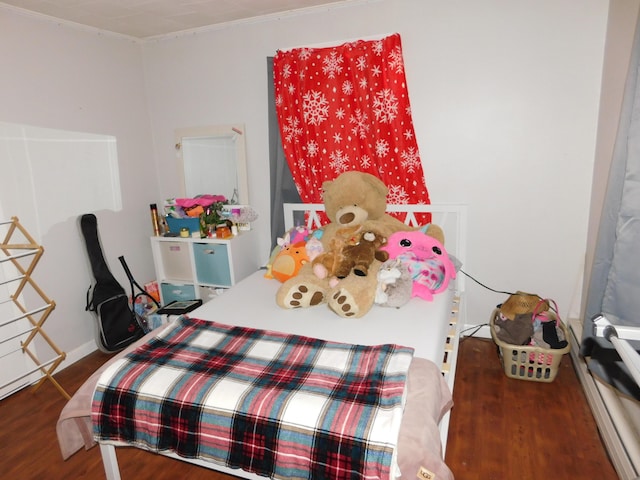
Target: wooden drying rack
x,y
15,253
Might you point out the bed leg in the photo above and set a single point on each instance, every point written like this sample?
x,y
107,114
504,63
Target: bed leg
x,y
110,462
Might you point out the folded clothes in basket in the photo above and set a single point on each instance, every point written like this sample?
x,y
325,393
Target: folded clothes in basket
x,y
523,330
514,332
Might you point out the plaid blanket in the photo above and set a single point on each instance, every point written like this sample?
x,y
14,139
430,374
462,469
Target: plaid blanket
x,y
277,405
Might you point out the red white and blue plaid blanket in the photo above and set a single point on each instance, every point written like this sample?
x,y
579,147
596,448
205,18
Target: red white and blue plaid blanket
x,y
277,405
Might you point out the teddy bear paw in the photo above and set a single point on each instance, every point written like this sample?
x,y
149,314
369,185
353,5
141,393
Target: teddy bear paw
x,y
303,296
344,304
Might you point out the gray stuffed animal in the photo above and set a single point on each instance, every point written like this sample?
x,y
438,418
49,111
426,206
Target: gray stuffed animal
x,y
394,284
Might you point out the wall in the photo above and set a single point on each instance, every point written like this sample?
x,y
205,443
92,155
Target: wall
x,y
504,97
80,80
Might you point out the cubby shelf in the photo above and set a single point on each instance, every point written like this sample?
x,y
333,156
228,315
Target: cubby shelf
x,y
187,267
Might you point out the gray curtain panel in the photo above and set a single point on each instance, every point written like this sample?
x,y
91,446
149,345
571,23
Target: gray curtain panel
x,y
614,287
283,189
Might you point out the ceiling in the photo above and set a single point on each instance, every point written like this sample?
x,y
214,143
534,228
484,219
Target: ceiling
x,y
148,18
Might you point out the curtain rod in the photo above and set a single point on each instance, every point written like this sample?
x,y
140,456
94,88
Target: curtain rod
x,y
339,42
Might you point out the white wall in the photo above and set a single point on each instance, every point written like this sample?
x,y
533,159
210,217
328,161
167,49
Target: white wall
x,y
73,79
504,97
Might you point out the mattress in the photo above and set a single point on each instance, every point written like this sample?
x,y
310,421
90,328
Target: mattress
x,y
420,324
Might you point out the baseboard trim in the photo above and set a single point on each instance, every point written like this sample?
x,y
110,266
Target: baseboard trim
x,y
77,354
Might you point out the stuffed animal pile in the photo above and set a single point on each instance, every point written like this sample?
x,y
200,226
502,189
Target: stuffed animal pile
x,y
355,203
426,259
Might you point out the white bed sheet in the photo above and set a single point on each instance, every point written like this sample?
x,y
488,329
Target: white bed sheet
x,y
421,324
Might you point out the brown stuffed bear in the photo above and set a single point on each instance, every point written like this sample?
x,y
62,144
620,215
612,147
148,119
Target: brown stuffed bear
x,y
360,257
354,199
351,250
328,263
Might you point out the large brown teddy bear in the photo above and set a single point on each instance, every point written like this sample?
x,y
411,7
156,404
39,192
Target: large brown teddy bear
x,y
353,199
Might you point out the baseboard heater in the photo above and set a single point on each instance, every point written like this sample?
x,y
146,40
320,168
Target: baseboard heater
x,y
617,417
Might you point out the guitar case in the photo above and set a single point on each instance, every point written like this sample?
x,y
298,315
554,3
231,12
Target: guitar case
x,y
117,323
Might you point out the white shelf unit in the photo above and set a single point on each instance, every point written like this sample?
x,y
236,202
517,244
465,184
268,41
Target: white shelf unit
x,y
19,331
186,268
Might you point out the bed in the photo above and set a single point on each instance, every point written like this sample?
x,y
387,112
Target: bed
x,y
429,329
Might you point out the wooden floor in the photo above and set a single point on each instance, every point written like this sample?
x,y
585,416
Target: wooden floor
x,y
500,429
503,428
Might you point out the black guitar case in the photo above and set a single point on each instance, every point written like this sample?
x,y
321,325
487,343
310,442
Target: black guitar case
x,y
117,323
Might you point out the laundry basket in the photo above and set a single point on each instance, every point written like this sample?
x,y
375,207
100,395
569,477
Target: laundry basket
x,y
531,363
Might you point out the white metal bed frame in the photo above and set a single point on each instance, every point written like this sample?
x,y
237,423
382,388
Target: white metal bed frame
x,y
452,218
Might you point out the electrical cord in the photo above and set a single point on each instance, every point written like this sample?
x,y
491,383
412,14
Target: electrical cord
x,y
476,328
483,285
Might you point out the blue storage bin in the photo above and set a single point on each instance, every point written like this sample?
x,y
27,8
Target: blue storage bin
x,y
173,292
212,264
175,224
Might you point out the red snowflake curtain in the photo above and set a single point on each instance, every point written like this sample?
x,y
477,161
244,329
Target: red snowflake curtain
x,y
347,108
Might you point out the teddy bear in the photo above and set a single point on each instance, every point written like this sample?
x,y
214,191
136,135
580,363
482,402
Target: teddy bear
x,y
353,252
427,261
360,256
329,263
352,199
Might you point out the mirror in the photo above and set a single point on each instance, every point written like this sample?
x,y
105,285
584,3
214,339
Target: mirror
x,y
212,160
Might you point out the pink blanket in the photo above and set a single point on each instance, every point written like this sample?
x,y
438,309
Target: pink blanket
x,y
419,446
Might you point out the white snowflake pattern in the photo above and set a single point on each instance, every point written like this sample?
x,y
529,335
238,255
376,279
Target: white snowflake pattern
x,y
410,159
361,63
286,70
363,83
395,60
279,99
408,134
304,53
337,137
365,161
347,88
312,148
340,113
339,161
292,129
377,47
315,107
332,64
385,106
382,148
291,89
397,195
376,71
360,123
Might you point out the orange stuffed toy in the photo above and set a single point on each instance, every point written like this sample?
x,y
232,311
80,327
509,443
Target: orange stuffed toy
x,y
288,261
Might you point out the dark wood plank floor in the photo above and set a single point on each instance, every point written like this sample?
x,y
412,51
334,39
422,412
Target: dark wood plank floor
x,y
500,429
504,428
